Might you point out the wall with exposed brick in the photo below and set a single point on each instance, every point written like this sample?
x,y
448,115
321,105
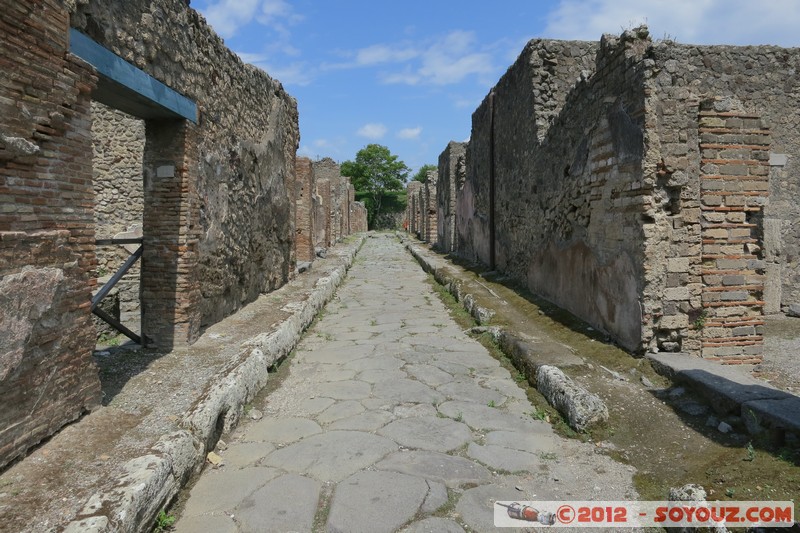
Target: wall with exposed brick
x,y
652,192
452,172
117,166
428,202
233,173
47,260
413,213
304,219
358,217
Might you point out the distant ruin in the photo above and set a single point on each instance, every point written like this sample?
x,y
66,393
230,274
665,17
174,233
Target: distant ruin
x,y
189,155
652,188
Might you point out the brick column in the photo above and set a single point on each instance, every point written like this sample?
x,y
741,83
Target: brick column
x,y
170,290
734,188
304,233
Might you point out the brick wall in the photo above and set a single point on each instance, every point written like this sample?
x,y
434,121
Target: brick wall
x,y
47,259
734,189
304,228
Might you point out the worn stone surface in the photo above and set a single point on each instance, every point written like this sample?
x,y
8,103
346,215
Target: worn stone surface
x,y
400,450
629,182
582,408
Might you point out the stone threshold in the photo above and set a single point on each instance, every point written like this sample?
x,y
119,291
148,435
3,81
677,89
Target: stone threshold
x,y
762,407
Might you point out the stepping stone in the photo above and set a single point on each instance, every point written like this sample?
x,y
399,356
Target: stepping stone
x,y
332,456
499,458
407,391
376,502
434,525
222,490
448,469
345,390
340,410
469,391
287,503
280,430
428,433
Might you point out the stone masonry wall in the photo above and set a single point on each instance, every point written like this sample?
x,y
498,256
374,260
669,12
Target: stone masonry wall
x,y
235,179
413,217
47,259
657,198
117,166
429,204
452,170
764,80
567,192
358,217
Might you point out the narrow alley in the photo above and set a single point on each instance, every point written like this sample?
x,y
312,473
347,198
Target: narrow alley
x,y
391,418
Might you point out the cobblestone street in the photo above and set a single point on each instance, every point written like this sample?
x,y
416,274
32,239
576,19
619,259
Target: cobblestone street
x,y
392,418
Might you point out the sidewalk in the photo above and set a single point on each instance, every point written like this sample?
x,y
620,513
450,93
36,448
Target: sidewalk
x,y
115,468
392,418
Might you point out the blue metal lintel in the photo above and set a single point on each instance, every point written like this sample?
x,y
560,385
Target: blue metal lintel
x,y
147,97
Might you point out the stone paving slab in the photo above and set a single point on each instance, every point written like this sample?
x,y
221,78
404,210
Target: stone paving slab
x,y
429,448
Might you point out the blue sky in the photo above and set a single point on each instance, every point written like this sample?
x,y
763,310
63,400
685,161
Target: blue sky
x,y
408,74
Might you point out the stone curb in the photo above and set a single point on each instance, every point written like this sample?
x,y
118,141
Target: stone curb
x,y
152,481
582,408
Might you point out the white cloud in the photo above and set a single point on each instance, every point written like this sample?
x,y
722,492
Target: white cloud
x,y
227,16
443,61
409,133
372,131
687,21
380,53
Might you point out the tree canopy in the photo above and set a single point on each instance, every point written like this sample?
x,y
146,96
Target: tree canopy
x,y
422,174
375,172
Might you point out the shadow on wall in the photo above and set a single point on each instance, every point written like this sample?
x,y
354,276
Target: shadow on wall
x,y
607,296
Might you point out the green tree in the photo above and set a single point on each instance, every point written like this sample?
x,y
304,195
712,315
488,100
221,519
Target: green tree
x,y
374,173
422,174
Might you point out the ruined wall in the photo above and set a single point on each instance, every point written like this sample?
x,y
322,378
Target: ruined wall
x,y
428,206
765,81
413,216
452,172
117,166
47,259
327,170
567,192
304,219
358,217
658,200
235,177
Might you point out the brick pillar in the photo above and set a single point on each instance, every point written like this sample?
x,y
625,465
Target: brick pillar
x,y
734,188
304,220
170,290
